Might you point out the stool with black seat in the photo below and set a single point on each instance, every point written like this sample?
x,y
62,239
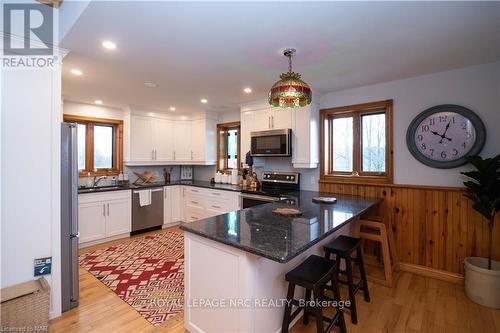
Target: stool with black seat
x,y
342,247
314,274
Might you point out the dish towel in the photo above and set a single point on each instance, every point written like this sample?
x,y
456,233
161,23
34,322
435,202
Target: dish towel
x,y
144,198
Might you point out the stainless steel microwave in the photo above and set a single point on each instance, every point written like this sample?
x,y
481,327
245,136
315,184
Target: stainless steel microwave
x,y
271,143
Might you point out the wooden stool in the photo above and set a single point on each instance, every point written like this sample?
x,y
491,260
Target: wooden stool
x,y
342,247
313,275
376,231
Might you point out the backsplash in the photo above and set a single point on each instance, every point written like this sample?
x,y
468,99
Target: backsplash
x,y
158,170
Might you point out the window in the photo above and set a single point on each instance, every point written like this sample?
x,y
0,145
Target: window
x,y
100,145
356,144
228,144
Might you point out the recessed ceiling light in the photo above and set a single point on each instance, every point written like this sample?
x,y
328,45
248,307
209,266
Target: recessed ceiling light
x,y
150,84
172,108
98,102
247,90
107,44
76,72
204,101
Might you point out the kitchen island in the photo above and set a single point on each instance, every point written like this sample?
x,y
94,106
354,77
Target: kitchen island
x,y
235,263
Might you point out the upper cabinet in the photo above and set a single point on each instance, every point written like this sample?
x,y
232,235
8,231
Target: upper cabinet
x,y
272,118
159,141
303,122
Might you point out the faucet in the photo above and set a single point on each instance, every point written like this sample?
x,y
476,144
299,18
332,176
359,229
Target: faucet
x,y
97,180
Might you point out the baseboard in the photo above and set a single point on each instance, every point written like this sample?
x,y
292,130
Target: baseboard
x,y
432,273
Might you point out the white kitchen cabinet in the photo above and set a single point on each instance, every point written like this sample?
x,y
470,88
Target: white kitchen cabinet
x,y
104,216
305,137
176,201
163,131
258,116
200,203
182,141
167,205
141,139
91,221
281,118
203,141
118,219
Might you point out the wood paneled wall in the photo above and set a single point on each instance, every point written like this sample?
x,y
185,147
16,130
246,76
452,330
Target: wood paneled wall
x,y
433,227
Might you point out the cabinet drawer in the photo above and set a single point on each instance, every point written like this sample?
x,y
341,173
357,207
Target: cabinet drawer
x,y
191,190
194,213
218,204
221,195
195,201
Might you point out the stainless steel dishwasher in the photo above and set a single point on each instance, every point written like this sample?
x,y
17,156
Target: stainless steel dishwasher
x,y
150,216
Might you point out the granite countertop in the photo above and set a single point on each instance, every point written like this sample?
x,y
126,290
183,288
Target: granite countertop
x,y
257,230
196,183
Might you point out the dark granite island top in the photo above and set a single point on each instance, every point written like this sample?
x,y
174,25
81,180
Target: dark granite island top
x,y
257,230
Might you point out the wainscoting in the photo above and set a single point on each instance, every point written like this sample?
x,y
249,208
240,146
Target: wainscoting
x,y
434,227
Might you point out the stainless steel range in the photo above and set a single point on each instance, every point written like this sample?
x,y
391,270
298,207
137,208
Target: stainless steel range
x,y
276,186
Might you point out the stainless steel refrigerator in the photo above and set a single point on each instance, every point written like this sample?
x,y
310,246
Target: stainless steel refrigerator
x,y
69,216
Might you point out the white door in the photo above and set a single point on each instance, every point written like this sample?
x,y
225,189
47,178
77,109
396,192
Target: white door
x,y
176,203
262,120
182,141
118,219
198,140
141,139
281,118
92,221
163,130
167,205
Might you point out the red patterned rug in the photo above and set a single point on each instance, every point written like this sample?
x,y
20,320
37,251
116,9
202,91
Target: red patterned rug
x,y
147,273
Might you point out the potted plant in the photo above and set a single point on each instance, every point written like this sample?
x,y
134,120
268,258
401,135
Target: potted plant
x,y
482,275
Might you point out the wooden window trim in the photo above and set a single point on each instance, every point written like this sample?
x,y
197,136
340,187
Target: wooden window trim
x,y
357,110
225,127
89,145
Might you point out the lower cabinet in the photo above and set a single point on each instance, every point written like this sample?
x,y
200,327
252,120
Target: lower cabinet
x,y
104,216
172,205
200,203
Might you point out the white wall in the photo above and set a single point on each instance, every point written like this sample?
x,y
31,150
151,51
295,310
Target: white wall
x,y
30,173
477,88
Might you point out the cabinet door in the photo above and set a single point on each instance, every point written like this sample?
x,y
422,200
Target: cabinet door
x,y
163,140
246,128
262,120
119,217
167,205
198,140
141,139
91,221
281,118
176,203
182,141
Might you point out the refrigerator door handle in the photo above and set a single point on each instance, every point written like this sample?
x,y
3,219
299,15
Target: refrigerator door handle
x,y
74,271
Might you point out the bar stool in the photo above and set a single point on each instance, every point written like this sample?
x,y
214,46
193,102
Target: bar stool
x,y
376,231
313,275
342,247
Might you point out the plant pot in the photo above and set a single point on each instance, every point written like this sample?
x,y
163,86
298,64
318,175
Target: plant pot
x,y
482,285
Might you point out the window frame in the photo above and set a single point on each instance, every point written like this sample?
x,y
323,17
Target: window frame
x,y
356,176
226,127
89,144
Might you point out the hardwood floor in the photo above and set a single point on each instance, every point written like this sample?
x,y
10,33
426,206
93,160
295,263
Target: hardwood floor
x,y
414,304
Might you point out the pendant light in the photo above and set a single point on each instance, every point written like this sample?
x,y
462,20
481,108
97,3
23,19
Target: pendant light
x,y
290,91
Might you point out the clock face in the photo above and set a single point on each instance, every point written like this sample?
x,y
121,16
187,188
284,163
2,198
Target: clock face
x,y
444,135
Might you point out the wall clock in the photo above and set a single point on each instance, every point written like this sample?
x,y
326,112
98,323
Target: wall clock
x,y
444,135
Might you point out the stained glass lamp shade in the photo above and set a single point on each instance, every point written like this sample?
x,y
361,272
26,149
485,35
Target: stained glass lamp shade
x,y
290,91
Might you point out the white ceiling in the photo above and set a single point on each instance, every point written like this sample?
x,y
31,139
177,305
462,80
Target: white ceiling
x,y
214,49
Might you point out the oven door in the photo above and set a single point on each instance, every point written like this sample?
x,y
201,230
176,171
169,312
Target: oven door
x,y
271,143
251,200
